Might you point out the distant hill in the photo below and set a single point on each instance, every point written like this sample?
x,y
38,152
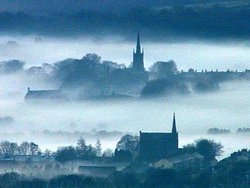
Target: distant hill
x,y
41,7
158,20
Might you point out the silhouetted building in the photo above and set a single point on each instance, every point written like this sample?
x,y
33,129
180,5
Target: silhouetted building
x,y
125,79
156,146
138,56
43,94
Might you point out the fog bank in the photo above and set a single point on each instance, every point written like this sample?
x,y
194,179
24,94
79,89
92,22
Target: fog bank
x,y
196,54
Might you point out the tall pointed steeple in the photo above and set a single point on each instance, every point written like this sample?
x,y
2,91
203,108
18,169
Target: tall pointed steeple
x,y
138,55
174,130
138,45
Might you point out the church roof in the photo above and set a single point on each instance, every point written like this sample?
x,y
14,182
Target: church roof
x,y
44,94
146,138
154,134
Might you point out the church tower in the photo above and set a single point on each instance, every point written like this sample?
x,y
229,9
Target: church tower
x,y
174,130
138,56
175,134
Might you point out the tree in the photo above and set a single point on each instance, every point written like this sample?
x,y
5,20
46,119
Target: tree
x,y
190,148
8,148
126,147
13,148
163,69
206,85
90,152
208,148
24,148
161,87
34,149
12,66
73,72
128,143
65,154
107,153
81,147
98,148
113,65
92,58
5,148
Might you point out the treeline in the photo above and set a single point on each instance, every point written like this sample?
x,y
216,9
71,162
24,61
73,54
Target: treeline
x,y
81,152
230,172
9,149
125,149
91,77
180,21
78,134
41,7
227,131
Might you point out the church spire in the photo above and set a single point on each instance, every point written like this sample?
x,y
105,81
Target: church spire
x,y
138,46
174,130
138,56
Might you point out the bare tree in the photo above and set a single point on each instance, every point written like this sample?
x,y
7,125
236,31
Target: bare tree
x,y
34,149
13,148
5,147
24,148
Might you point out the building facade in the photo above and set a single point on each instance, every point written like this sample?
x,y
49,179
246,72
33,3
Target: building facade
x,y
156,146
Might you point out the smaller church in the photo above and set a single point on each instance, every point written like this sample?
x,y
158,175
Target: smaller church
x,y
156,146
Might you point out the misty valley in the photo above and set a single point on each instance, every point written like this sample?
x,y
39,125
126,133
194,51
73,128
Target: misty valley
x,y
78,106
124,94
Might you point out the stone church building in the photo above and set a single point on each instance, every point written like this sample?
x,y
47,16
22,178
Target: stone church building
x,y
156,146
